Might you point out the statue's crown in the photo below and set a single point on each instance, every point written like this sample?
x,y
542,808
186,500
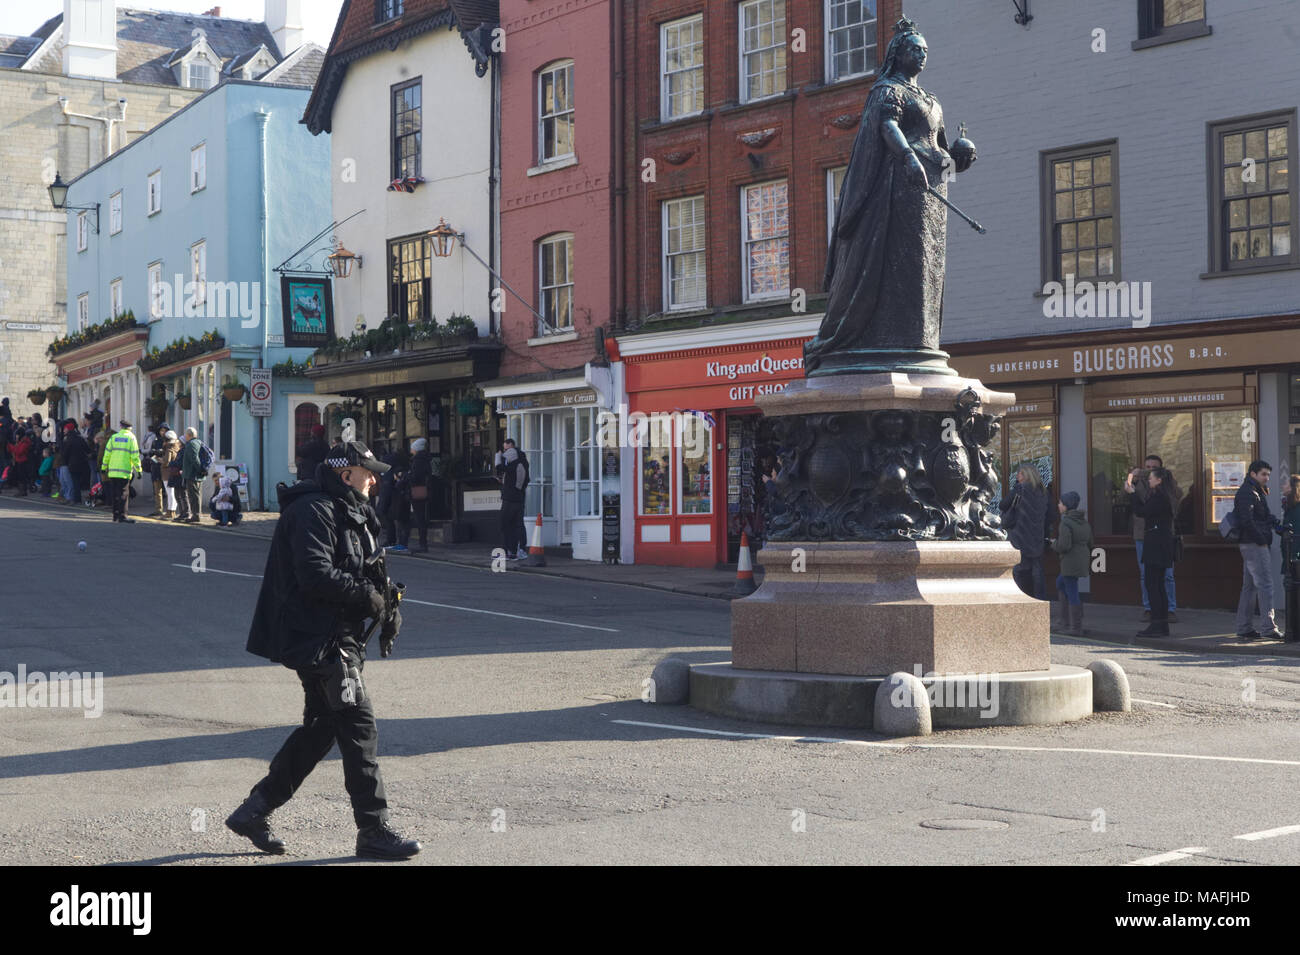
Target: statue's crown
x,y
905,25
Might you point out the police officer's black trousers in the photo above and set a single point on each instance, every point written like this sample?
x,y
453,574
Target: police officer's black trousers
x,y
354,730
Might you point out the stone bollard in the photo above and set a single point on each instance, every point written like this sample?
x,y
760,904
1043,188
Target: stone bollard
x,y
1109,687
670,682
902,706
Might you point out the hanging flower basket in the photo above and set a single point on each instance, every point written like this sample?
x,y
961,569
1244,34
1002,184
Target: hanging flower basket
x,y
184,401
157,408
55,394
36,396
233,393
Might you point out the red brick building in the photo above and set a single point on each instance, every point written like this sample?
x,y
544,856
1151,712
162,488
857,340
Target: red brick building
x,y
560,103
742,119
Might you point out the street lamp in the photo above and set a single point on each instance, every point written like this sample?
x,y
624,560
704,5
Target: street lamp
x,y
339,262
444,239
59,199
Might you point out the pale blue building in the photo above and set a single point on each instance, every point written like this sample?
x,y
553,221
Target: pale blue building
x,y
193,219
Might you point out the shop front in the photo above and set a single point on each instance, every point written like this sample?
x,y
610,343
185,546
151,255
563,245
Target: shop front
x,y
389,402
703,451
557,425
1206,399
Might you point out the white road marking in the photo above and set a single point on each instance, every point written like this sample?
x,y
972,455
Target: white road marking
x,y
513,616
426,603
1269,833
1169,856
228,573
1172,706
1012,749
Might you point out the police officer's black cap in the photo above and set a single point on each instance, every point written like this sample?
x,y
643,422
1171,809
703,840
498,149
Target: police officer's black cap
x,y
353,454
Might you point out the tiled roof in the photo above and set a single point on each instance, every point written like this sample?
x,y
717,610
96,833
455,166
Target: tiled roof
x,y
18,45
147,39
356,35
300,68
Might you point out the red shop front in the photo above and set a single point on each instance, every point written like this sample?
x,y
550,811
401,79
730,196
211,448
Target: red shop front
x,y
704,452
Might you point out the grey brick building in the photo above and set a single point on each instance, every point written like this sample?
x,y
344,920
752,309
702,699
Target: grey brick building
x,y
1149,145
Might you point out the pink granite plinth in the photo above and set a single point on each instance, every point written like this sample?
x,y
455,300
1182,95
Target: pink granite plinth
x,y
872,608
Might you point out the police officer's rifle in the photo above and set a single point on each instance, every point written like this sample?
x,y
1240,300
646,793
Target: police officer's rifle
x,y
376,571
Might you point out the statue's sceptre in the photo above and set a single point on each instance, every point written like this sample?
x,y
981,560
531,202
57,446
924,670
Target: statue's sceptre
x,y
965,148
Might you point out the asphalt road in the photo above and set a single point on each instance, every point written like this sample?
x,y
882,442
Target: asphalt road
x,y
512,731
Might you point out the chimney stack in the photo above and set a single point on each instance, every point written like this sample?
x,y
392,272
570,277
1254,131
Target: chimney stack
x,y
284,20
90,38
214,12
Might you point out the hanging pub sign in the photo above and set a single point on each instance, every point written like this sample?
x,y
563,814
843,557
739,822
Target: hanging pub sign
x,y
308,309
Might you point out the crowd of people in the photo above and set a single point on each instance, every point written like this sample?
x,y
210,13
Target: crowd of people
x,y
91,463
1154,495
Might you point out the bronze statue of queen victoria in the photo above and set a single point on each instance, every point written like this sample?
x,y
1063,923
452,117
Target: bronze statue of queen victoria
x,y
885,266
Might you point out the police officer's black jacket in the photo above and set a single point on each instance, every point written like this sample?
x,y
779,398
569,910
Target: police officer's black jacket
x,y
313,593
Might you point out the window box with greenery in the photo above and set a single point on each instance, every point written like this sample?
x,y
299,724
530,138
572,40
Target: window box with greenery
x,y
181,350
396,335
113,326
291,369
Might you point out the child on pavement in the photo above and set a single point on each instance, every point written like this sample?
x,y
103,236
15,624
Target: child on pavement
x,y
1074,544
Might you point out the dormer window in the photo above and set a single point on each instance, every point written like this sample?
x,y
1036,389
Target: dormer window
x,y
199,75
386,10
196,66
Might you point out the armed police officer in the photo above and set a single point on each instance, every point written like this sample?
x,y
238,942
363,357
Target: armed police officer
x,y
311,612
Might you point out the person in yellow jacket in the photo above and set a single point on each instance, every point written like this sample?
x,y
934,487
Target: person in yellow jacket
x,y
121,464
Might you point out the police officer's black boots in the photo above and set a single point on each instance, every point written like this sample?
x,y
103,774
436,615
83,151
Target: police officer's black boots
x,y
250,820
381,842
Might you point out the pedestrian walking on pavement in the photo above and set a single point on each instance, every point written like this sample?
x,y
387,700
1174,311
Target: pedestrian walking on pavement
x,y
310,617
1255,523
513,475
1157,512
1024,513
121,464
420,484
1291,518
76,454
191,478
1175,493
1074,543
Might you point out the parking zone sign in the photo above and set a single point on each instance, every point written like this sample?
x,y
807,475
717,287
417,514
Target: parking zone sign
x,y
261,392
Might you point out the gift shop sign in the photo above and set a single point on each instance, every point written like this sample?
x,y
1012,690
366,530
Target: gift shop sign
x,y
717,379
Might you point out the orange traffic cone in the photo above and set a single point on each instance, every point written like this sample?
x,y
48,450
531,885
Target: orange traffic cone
x,y
536,552
745,568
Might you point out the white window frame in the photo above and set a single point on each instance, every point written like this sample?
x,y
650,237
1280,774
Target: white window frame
x,y
666,259
115,213
542,288
780,44
745,243
832,196
115,298
199,270
830,48
153,192
83,311
543,116
153,283
83,232
198,168
665,93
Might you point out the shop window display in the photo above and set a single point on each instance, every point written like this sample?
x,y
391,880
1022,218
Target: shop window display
x,y
656,466
697,481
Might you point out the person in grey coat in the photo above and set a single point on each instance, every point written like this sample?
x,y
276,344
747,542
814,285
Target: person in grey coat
x,y
1024,516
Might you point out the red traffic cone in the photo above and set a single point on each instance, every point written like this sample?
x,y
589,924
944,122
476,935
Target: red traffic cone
x,y
536,552
745,568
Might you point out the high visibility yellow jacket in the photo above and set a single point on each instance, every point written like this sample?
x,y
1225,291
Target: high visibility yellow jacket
x,y
122,455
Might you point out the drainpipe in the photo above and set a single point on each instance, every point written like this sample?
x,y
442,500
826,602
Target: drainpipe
x,y
263,117
617,316
494,181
